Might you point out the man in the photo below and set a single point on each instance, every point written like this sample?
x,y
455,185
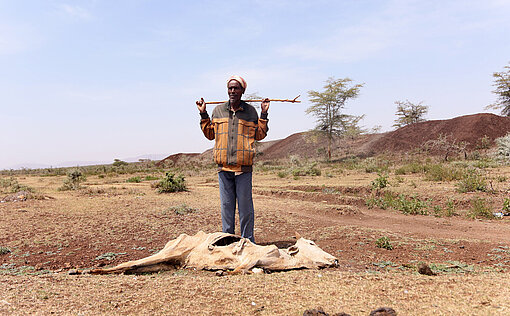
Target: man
x,y
235,126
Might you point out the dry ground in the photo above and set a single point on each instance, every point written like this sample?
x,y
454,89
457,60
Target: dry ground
x,y
111,221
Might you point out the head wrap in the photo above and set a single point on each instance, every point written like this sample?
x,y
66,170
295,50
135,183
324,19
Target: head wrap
x,y
241,81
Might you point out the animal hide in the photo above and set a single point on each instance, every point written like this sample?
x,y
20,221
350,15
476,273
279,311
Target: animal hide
x,y
222,251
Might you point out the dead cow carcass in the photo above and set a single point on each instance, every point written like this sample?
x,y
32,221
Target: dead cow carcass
x,y
222,251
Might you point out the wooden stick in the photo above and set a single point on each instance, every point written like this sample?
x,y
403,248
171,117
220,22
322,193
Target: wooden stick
x,y
261,100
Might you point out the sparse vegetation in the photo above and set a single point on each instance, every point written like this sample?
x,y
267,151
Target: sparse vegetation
x,y
471,182
445,145
503,144
443,172
410,168
480,208
506,205
109,256
380,182
171,183
411,205
136,179
119,163
4,250
181,209
74,178
11,185
384,242
311,169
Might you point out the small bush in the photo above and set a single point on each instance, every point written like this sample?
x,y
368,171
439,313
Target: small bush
x,y
171,183
73,180
448,211
308,170
506,205
480,209
501,178
413,167
282,174
411,205
136,179
375,165
384,242
503,144
384,202
380,182
4,250
119,163
13,186
442,172
150,178
471,182
182,209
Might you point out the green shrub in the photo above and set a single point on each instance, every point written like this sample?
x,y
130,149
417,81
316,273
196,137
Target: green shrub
x,y
411,205
282,174
380,182
308,170
4,250
384,202
150,178
471,182
448,211
171,183
413,167
136,179
11,185
375,165
442,172
182,209
506,205
480,209
119,163
503,144
73,180
384,242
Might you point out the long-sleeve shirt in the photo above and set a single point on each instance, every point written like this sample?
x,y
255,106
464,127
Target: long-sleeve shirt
x,y
235,134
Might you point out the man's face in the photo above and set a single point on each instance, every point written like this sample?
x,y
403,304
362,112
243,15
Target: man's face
x,y
235,91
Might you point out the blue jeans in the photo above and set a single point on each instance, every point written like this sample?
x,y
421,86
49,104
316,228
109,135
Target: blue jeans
x,y
238,188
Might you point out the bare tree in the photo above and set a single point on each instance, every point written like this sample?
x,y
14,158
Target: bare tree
x,y
446,145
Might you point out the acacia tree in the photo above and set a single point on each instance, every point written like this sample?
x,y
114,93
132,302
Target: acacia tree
x,y
409,113
502,84
328,105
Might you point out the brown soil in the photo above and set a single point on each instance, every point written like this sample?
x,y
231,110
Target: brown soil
x,y
469,128
112,221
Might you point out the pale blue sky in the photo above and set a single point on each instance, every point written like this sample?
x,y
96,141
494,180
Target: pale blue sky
x,y
97,80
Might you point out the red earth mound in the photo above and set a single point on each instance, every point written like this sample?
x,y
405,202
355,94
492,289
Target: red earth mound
x,y
176,158
469,128
296,144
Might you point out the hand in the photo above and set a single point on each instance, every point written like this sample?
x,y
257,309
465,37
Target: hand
x,y
201,105
265,105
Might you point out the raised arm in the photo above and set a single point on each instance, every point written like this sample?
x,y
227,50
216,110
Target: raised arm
x,y
205,122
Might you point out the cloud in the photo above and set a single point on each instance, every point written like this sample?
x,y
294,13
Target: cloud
x,y
75,11
401,26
